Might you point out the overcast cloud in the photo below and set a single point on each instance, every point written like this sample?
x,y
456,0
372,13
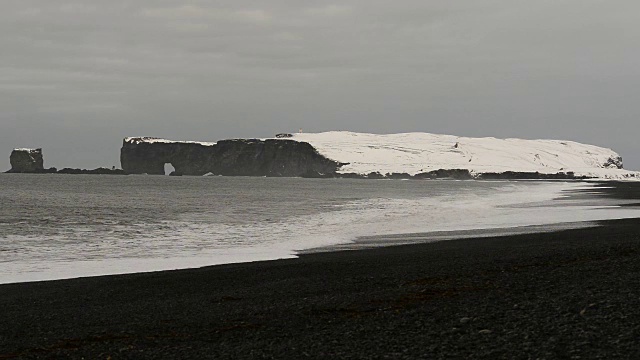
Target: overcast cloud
x,y
78,76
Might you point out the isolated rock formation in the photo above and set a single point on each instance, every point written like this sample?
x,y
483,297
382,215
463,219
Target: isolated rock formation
x,y
26,161
31,161
241,157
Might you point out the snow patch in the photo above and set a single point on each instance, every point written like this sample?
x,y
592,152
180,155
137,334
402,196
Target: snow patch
x,y
152,140
415,153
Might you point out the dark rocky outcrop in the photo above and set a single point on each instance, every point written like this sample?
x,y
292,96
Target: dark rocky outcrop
x,y
26,161
241,157
464,174
269,158
614,162
30,161
398,176
138,156
98,171
516,175
457,174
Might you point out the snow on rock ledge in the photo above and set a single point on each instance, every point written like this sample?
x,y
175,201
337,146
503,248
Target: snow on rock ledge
x,y
153,140
415,153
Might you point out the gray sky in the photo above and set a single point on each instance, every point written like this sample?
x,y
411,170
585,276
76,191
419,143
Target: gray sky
x,y
78,76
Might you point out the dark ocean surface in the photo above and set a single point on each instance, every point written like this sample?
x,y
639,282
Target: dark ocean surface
x,y
58,226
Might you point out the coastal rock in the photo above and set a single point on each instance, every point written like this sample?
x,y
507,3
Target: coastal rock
x,y
614,162
98,171
31,161
524,175
457,174
341,154
238,157
26,161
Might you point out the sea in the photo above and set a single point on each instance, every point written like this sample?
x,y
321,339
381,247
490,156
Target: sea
x,y
66,226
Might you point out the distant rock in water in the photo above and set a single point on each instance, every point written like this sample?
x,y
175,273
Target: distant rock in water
x,y
26,161
31,161
239,157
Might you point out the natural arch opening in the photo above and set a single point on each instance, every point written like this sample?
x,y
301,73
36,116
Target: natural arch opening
x,y
168,169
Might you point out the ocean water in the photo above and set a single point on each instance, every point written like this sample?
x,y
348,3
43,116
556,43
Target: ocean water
x,y
58,226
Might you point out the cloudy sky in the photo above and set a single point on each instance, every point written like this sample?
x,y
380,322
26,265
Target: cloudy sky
x,y
78,76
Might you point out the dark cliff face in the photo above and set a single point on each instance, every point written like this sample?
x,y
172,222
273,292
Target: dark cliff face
x,y
26,161
243,157
614,162
150,158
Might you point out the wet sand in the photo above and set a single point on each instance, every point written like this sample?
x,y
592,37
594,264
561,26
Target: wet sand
x,y
564,294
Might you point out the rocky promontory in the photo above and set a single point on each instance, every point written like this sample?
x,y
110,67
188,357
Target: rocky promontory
x,y
342,154
237,157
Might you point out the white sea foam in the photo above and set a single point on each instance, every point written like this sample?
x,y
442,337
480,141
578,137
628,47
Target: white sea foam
x,y
193,240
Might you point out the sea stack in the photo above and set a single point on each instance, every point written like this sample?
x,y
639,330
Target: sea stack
x,y
26,161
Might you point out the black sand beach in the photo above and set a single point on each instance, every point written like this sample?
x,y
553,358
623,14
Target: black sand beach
x,y
565,294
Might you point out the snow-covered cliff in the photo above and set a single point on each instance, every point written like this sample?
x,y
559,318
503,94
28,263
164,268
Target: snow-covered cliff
x,y
415,153
349,154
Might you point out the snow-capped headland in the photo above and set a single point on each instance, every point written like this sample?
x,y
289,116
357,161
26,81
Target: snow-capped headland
x,y
350,154
415,153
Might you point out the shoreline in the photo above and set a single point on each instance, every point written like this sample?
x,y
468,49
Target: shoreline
x,y
595,197
565,293
588,204
361,243
568,293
